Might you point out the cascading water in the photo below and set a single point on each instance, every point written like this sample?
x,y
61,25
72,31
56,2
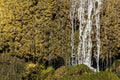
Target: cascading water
x,y
72,16
88,15
97,8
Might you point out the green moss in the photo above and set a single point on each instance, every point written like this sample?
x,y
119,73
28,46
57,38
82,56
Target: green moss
x,y
78,70
71,71
93,76
82,72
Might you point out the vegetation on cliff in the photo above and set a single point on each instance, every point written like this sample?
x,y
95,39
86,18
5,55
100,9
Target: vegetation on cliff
x,y
35,41
37,31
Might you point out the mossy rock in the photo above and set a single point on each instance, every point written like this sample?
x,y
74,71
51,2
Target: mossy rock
x,y
93,76
71,71
60,72
78,70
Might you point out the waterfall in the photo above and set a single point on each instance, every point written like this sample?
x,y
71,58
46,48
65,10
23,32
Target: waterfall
x,y
97,18
88,15
72,16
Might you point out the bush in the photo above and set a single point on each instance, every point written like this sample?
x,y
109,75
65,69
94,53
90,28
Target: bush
x,y
11,68
46,74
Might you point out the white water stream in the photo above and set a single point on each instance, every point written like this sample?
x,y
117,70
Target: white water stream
x,y
88,15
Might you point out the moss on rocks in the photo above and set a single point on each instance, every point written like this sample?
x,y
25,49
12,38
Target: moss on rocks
x,y
71,71
93,76
82,72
